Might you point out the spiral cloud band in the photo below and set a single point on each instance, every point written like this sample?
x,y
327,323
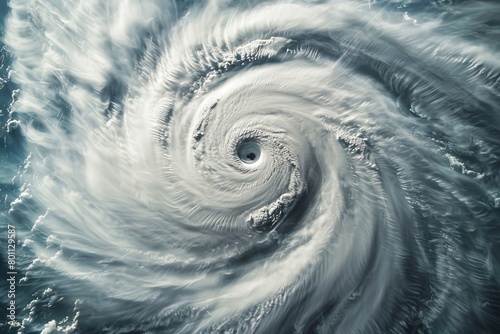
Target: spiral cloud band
x,y
252,166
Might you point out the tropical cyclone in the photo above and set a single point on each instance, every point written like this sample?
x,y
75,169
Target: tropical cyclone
x,y
265,167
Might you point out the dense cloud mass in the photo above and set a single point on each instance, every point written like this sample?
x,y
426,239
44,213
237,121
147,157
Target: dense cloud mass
x,y
250,166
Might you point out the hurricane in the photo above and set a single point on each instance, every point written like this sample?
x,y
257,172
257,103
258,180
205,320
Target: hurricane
x,y
256,166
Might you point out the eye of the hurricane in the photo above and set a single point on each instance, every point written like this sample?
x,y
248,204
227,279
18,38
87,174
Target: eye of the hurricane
x,y
249,151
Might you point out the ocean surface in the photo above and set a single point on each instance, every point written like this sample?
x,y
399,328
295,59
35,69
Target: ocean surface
x,y
250,166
